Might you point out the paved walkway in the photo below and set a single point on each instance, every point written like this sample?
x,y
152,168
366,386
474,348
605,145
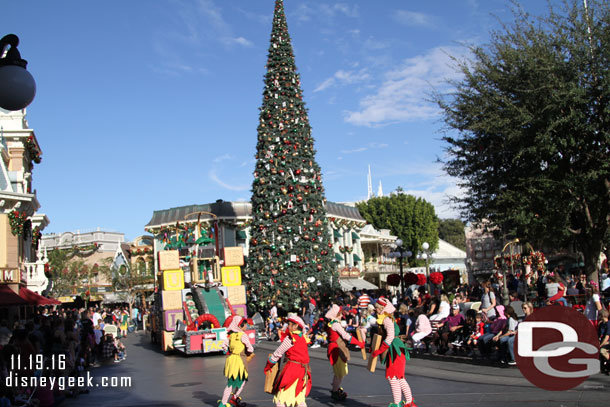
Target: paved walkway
x,y
175,380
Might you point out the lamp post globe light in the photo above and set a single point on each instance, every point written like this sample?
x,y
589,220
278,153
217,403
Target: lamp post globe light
x,y
425,256
401,253
17,86
505,296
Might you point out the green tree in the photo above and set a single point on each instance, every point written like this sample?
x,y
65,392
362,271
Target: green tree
x,y
289,247
411,219
63,275
128,281
532,142
452,231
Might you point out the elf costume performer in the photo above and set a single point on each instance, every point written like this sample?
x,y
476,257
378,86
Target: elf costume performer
x,y
397,355
235,346
336,336
293,383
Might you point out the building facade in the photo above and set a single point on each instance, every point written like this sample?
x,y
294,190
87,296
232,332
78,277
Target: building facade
x,y
20,224
94,248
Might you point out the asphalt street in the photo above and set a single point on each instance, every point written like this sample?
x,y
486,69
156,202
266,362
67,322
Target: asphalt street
x,y
158,379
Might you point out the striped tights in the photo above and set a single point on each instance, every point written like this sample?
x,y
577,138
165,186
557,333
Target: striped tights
x,y
228,390
336,383
400,387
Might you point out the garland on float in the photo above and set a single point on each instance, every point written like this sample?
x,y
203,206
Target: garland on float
x,y
16,221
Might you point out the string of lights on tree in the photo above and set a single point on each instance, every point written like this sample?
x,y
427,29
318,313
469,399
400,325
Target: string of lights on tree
x,y
290,247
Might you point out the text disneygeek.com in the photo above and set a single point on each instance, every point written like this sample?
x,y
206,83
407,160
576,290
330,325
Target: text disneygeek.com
x,y
62,383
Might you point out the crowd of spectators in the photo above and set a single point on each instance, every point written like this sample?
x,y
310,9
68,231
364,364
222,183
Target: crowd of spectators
x,y
63,343
469,320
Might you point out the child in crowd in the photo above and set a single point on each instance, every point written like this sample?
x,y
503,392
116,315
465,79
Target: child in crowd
x,y
109,349
479,330
318,334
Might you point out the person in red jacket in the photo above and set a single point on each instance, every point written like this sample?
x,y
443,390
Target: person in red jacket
x,y
336,336
556,290
293,383
397,356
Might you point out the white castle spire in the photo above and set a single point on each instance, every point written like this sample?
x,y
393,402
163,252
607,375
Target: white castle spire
x,y
380,190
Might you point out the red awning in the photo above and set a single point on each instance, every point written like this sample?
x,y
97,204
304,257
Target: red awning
x,y
9,297
35,298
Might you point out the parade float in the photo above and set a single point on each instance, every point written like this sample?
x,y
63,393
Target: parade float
x,y
198,287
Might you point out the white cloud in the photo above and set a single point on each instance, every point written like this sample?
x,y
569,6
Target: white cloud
x,y
307,12
238,41
368,147
342,77
223,158
232,187
413,18
403,95
355,150
189,26
434,185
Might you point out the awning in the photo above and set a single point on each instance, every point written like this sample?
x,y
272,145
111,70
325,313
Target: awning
x,y
337,234
66,299
357,258
241,235
115,298
348,283
35,298
355,236
338,257
9,297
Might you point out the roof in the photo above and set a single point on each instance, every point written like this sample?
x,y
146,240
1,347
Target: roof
x,y
224,209
348,283
447,250
344,211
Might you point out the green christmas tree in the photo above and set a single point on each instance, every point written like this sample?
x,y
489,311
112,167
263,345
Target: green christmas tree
x,y
290,247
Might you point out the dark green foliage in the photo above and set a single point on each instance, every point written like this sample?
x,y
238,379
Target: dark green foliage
x,y
452,231
290,238
411,219
533,129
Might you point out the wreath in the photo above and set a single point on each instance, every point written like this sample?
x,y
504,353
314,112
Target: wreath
x,y
16,221
202,321
436,277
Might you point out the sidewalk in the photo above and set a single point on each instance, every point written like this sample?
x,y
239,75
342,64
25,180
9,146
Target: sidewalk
x,y
454,368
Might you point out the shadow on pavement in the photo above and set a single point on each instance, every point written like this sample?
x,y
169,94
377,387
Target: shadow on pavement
x,y
322,396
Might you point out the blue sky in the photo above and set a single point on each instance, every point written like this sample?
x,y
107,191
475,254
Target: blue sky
x,y
146,105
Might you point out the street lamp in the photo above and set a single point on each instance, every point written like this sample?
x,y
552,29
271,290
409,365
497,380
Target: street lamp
x,y
17,86
401,253
425,256
505,298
